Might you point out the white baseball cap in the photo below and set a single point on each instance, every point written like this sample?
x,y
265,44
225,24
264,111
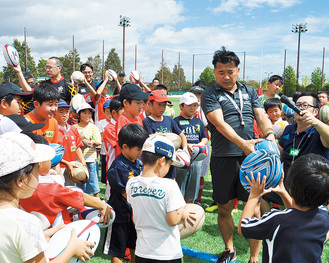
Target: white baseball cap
x,y
188,98
83,106
18,150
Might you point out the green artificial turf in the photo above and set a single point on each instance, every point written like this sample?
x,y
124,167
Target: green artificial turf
x,y
208,238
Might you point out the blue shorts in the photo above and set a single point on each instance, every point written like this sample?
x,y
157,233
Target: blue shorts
x,y
91,187
118,237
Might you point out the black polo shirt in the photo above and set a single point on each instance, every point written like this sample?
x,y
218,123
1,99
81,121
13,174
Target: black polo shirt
x,y
214,98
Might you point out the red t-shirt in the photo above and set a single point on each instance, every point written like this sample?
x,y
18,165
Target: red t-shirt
x,y
122,121
71,140
49,131
110,142
50,199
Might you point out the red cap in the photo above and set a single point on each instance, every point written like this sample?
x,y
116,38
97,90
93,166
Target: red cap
x,y
158,96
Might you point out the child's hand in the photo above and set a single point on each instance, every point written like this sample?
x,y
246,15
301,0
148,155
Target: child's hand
x,y
190,148
48,233
188,218
257,188
280,189
105,213
79,247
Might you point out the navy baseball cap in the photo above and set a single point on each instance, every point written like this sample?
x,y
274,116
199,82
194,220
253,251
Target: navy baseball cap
x,y
121,73
7,88
62,104
107,104
134,92
18,123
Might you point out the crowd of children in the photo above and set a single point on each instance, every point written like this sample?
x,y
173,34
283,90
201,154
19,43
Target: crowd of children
x,y
147,192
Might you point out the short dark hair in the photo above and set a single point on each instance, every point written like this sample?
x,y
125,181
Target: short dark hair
x,y
36,138
271,103
224,56
296,95
151,158
308,180
58,62
7,181
8,98
115,104
28,75
274,78
316,101
155,79
323,92
200,83
161,87
45,92
133,135
84,65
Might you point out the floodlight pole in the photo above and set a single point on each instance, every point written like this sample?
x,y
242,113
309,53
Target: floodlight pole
x,y
124,22
298,28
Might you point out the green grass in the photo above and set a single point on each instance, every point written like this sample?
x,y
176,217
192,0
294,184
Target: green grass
x,y
208,238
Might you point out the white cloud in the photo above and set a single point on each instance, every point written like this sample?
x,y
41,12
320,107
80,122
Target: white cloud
x,y
232,6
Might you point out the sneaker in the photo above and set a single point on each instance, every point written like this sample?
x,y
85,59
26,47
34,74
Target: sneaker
x,y
227,256
212,207
198,203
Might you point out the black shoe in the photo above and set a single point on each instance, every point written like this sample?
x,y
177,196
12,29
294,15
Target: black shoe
x,y
227,256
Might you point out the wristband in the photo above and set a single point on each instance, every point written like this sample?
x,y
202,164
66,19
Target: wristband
x,y
268,134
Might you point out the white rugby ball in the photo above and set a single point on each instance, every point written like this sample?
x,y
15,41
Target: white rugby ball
x,y
11,55
200,217
78,77
174,138
113,75
182,160
76,101
94,215
324,114
134,77
80,173
85,229
199,152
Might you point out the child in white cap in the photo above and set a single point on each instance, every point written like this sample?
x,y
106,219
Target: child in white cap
x,y
22,238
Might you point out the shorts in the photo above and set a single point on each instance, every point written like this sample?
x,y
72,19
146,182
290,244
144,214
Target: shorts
x,y
188,180
118,237
146,260
91,187
273,197
225,179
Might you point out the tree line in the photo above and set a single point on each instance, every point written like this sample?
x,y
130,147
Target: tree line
x,y
174,80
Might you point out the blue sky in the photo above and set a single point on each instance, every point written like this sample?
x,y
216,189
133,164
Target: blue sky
x,y
261,28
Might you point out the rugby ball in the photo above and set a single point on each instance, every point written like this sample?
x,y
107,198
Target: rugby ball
x,y
174,138
324,114
199,152
76,101
78,77
60,150
190,230
94,215
85,229
134,77
267,145
265,162
11,55
278,128
289,112
80,173
182,159
113,75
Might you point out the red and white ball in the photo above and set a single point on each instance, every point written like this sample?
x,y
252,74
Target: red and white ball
x,y
174,138
199,152
113,75
200,217
94,215
85,229
11,55
183,160
134,77
78,77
